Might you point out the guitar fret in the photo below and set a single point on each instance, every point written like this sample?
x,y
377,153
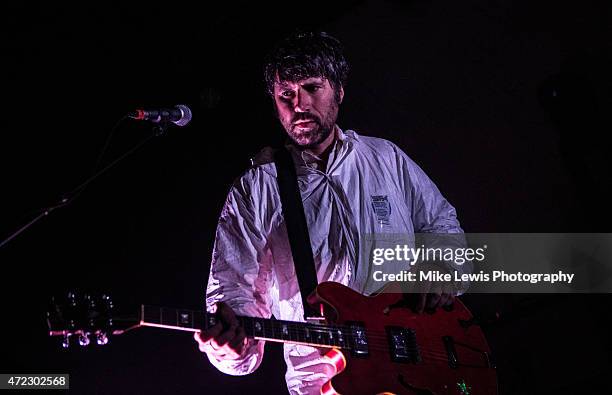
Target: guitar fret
x,y
318,337
278,330
166,317
258,328
340,337
244,324
294,330
286,331
199,320
209,320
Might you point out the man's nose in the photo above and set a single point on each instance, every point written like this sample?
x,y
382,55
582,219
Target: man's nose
x,y
301,101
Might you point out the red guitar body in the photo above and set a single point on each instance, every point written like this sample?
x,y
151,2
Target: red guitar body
x,y
454,357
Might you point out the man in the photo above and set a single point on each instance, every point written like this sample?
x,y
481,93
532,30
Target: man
x,y
350,185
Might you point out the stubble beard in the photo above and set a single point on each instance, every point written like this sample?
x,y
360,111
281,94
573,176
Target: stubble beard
x,y
312,138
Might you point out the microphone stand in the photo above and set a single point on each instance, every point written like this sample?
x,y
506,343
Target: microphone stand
x,y
158,130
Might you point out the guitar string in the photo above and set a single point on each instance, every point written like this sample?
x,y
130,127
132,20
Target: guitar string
x,y
373,336
346,330
348,333
369,336
428,350
374,345
300,326
424,353
334,328
299,333
297,329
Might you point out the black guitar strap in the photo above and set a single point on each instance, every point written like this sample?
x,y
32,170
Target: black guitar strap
x,y
297,228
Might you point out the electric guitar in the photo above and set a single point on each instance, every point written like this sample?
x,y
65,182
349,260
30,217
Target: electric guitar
x,y
376,344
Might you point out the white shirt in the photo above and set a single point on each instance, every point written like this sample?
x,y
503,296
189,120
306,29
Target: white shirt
x,y
368,186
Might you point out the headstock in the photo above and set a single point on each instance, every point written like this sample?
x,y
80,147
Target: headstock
x,y
86,318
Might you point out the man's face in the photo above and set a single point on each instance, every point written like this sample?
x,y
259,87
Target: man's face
x,y
307,109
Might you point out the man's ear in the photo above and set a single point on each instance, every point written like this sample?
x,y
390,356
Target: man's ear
x,y
340,95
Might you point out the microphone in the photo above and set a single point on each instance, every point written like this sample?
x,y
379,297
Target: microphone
x,y
180,115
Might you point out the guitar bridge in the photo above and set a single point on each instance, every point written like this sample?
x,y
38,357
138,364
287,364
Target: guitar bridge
x,y
403,345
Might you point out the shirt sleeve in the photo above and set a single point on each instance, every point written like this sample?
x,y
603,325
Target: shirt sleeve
x,y
240,272
434,218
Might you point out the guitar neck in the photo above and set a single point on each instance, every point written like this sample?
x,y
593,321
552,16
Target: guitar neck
x,y
317,335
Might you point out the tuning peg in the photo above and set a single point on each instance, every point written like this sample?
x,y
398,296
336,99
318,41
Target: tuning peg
x,y
72,297
53,303
84,339
101,338
66,341
107,301
91,302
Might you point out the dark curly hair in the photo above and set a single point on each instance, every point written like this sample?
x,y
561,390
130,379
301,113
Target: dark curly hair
x,y
304,55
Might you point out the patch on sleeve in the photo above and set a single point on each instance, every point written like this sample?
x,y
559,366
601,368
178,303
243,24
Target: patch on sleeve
x,y
382,208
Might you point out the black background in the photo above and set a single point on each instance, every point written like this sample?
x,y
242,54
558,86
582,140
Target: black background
x,y
505,105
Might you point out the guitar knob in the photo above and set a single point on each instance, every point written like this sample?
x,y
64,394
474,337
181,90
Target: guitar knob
x,y
101,338
84,339
66,341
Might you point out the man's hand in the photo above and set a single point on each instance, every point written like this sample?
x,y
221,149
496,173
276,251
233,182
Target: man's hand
x,y
226,339
438,295
430,295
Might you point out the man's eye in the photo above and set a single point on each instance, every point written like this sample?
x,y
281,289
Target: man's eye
x,y
286,93
313,88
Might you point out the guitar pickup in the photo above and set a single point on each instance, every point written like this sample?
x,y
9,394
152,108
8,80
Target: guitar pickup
x,y
403,345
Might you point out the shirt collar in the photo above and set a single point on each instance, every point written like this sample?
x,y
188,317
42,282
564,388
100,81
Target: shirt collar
x,y
303,157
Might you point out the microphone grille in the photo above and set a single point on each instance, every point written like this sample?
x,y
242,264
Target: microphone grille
x,y
186,118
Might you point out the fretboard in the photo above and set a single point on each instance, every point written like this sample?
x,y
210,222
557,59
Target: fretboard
x,y
339,336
